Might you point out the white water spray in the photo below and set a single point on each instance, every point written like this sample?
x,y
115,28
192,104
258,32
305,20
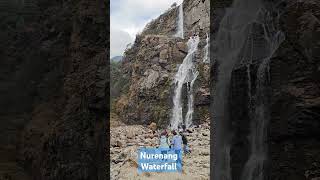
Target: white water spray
x,y
186,74
188,119
206,57
180,30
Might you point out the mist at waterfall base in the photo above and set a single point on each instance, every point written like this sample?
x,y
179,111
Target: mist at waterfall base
x,y
247,34
187,73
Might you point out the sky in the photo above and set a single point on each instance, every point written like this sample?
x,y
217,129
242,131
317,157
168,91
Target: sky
x,y
128,17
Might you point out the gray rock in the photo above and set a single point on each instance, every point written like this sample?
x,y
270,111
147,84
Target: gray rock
x,y
164,54
163,62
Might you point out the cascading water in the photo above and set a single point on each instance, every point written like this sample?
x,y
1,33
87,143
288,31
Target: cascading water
x,y
188,119
186,74
271,38
180,30
234,35
230,39
206,57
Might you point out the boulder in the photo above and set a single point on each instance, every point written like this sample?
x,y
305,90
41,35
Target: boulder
x,y
155,60
164,54
130,134
163,62
153,126
118,143
182,47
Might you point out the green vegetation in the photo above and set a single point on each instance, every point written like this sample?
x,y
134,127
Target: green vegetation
x,y
119,81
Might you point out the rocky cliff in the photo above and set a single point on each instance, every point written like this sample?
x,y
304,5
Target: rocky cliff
x,y
295,96
292,95
53,89
196,19
151,64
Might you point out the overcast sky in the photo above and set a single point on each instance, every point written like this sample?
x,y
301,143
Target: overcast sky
x,y
128,17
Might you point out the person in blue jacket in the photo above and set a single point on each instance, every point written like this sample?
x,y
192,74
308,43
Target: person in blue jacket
x,y
176,145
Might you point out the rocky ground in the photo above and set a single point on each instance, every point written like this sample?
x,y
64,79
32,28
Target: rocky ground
x,y
125,141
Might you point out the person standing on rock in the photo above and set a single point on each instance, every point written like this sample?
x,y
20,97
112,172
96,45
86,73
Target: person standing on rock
x,y
164,141
180,127
184,128
176,145
186,149
176,141
170,136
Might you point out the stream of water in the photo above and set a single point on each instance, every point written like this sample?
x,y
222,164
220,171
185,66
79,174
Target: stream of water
x,y
180,30
206,57
271,38
239,39
186,75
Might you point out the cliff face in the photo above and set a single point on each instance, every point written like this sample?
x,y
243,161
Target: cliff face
x,y
295,97
292,95
53,92
151,64
151,68
196,17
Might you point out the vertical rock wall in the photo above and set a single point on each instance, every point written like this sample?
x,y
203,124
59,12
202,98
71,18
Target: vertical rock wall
x,y
293,143
151,64
54,90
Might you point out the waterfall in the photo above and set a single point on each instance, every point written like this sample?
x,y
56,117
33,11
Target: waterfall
x,y
188,119
206,57
271,38
241,25
186,74
230,39
180,31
